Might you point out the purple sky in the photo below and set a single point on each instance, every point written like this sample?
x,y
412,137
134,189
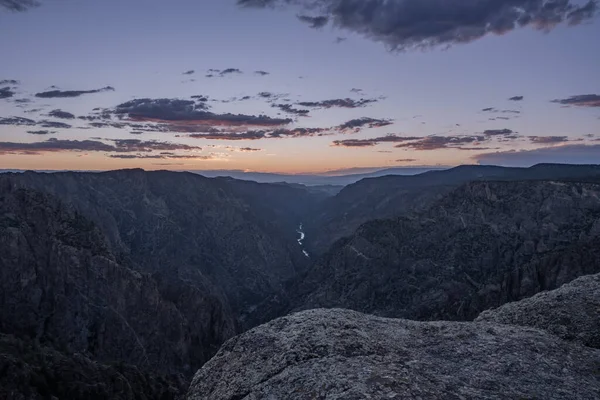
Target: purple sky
x,y
422,87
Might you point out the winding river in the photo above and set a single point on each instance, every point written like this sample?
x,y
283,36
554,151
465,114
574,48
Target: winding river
x,y
300,230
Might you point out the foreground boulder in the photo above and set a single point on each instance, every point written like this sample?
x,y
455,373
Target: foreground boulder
x,y
571,312
341,354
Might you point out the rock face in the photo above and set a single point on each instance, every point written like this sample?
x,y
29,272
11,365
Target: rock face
x,y
571,312
29,371
231,239
340,354
62,286
483,245
395,195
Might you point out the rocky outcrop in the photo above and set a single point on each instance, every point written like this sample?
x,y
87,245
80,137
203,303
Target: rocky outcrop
x,y
340,354
29,371
397,195
61,285
571,312
483,245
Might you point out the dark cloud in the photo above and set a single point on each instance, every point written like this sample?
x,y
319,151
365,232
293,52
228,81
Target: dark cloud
x,y
229,71
374,141
263,134
182,113
190,72
548,139
5,93
314,22
412,24
43,132
53,124
18,5
516,98
61,114
443,142
487,109
17,121
12,82
567,154
71,93
498,132
340,39
356,90
200,98
288,108
261,73
511,112
248,149
340,103
221,73
582,100
365,121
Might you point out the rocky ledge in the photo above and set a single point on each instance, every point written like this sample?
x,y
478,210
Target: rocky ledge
x,y
571,312
341,354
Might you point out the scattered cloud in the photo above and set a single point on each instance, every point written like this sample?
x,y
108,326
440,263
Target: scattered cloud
x,y
41,132
71,93
53,124
340,39
488,109
582,100
18,5
356,90
416,24
436,142
5,93
190,72
339,103
17,121
314,22
187,115
362,122
262,73
568,154
288,108
11,82
279,133
222,73
516,98
407,160
498,132
61,114
374,141
548,139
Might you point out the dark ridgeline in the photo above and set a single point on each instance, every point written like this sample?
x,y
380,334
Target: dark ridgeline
x,y
135,273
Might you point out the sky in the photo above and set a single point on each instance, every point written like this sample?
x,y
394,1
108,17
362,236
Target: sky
x,y
297,86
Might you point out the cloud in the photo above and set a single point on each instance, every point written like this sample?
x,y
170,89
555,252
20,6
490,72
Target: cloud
x,y
340,103
61,114
71,93
582,100
356,90
117,146
5,93
261,73
161,156
374,141
417,24
340,39
314,22
190,72
497,132
43,132
406,160
365,121
221,73
12,82
17,121
516,98
18,5
229,71
487,109
568,154
186,115
248,149
53,124
548,139
435,142
288,108
279,133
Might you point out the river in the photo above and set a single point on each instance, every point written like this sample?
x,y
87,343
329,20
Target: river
x,y
300,230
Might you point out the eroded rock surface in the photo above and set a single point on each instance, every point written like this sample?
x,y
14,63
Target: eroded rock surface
x,y
341,354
